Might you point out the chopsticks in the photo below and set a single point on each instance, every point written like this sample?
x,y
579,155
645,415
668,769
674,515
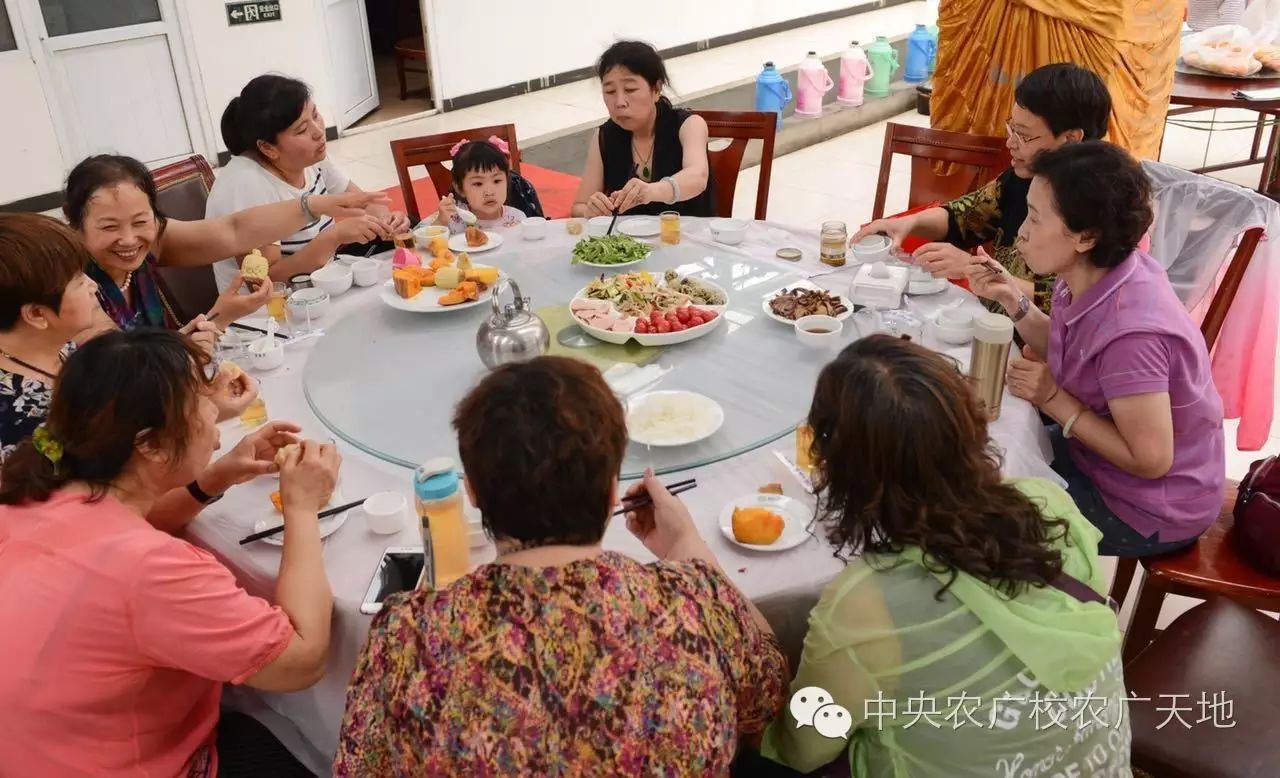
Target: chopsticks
x,y
612,222
266,533
640,502
248,328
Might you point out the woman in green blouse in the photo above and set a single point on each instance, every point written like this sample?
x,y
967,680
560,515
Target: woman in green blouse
x,y
949,642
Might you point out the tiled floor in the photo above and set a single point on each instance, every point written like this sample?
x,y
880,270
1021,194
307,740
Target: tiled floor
x,y
832,180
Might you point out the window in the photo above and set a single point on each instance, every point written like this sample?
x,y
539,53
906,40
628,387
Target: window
x,y
67,17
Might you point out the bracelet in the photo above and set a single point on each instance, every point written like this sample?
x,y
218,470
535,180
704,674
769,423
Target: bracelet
x,y
1071,422
200,496
675,190
306,208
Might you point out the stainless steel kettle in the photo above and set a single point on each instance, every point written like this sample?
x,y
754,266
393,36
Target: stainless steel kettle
x,y
513,332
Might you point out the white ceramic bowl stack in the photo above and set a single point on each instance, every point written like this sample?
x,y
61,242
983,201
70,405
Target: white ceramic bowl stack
x,y
730,232
334,278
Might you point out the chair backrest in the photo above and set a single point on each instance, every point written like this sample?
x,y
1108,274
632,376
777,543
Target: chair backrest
x,y
432,151
944,165
741,127
182,189
1201,224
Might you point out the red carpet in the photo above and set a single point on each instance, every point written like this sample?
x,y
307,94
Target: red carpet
x,y
556,190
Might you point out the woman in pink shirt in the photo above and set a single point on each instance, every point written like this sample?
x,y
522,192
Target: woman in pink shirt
x,y
116,637
1119,364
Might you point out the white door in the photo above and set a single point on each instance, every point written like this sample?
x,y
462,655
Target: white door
x,y
350,60
116,77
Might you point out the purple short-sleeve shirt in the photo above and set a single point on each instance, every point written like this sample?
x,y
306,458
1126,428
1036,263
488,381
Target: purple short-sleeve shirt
x,y
1127,335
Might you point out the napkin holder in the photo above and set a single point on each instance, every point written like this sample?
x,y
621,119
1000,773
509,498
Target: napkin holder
x,y
878,285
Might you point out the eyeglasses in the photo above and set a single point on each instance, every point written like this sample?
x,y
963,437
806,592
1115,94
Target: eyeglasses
x,y
1019,137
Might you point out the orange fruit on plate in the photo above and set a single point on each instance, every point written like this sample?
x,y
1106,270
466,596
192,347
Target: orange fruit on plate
x,y
757,526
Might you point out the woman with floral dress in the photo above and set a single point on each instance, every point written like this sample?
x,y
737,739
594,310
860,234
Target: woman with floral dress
x,y
560,658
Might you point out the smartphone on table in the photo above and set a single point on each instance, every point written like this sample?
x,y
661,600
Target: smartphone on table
x,y
401,569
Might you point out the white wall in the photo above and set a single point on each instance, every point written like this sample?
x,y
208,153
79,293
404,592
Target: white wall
x,y
29,155
227,57
480,46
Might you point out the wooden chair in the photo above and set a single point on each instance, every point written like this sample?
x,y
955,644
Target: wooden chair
x,y
742,127
411,49
1226,652
974,160
1211,566
182,190
432,151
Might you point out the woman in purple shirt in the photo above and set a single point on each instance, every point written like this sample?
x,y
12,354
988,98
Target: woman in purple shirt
x,y
1119,364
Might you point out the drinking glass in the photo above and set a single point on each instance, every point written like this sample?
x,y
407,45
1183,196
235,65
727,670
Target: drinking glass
x,y
276,302
669,223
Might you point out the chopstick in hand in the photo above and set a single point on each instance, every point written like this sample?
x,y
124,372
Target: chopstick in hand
x,y
612,222
644,500
266,533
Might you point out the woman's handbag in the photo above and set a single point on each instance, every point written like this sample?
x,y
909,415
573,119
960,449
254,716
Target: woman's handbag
x,y
1257,515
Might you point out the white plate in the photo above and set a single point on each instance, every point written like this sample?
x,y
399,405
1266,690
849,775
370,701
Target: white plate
x,y
327,526
459,243
764,304
616,265
659,339
639,226
428,300
795,515
932,286
704,412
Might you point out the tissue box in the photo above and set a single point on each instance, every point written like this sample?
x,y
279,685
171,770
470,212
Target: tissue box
x,y
879,286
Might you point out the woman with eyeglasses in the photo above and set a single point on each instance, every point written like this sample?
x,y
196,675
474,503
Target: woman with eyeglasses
x,y
1053,106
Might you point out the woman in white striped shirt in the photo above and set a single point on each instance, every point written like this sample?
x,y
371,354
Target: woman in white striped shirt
x,y
277,138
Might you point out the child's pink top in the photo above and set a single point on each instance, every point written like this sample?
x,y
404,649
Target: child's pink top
x,y
115,640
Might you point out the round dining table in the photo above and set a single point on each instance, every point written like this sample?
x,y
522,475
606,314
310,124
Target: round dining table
x,y
383,383
1199,91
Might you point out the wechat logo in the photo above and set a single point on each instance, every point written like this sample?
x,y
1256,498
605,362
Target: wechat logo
x,y
813,706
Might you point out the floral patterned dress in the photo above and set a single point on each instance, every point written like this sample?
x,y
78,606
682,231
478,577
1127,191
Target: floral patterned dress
x,y
993,214
24,402
600,667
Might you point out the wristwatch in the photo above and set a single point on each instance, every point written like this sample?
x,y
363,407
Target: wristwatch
x,y
1024,307
200,495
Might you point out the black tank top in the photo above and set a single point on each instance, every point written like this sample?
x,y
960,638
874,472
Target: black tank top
x,y
668,159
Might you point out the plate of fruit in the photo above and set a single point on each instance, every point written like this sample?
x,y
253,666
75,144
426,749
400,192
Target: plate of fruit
x,y
766,522
475,240
652,311
449,283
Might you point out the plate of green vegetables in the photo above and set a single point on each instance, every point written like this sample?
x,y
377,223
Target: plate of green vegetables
x,y
610,251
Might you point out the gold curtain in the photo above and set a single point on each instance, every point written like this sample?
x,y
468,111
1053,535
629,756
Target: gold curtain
x,y
985,47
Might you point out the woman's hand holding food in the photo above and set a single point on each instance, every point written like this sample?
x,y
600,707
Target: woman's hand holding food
x,y
308,475
232,305
233,391
252,457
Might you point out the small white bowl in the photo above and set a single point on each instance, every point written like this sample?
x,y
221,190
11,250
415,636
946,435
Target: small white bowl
x,y
266,354
730,232
953,327
598,225
334,278
873,248
306,303
819,331
533,228
366,272
386,512
425,232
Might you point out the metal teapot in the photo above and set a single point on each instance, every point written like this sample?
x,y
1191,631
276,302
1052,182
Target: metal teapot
x,y
513,332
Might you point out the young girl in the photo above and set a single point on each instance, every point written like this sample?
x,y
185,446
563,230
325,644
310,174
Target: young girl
x,y
483,179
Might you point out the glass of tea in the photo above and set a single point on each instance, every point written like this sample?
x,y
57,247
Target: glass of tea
x,y
275,303
804,446
256,414
669,224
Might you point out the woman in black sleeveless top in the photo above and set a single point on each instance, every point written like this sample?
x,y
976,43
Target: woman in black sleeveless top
x,y
650,156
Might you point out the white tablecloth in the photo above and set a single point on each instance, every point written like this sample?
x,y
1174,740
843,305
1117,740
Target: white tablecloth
x,y
784,584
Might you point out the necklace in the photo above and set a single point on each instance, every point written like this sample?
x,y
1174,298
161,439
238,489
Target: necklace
x,y
128,279
27,365
644,172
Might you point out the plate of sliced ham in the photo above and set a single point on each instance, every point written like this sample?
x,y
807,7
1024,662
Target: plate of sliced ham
x,y
601,320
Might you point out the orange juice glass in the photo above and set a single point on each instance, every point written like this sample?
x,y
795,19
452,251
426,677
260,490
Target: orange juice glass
x,y
804,447
255,415
275,303
669,224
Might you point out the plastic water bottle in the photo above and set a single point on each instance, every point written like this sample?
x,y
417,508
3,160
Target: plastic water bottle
x,y
884,62
443,525
920,48
811,85
933,58
773,93
855,71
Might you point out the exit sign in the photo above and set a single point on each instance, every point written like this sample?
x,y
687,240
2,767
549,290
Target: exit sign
x,y
253,12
